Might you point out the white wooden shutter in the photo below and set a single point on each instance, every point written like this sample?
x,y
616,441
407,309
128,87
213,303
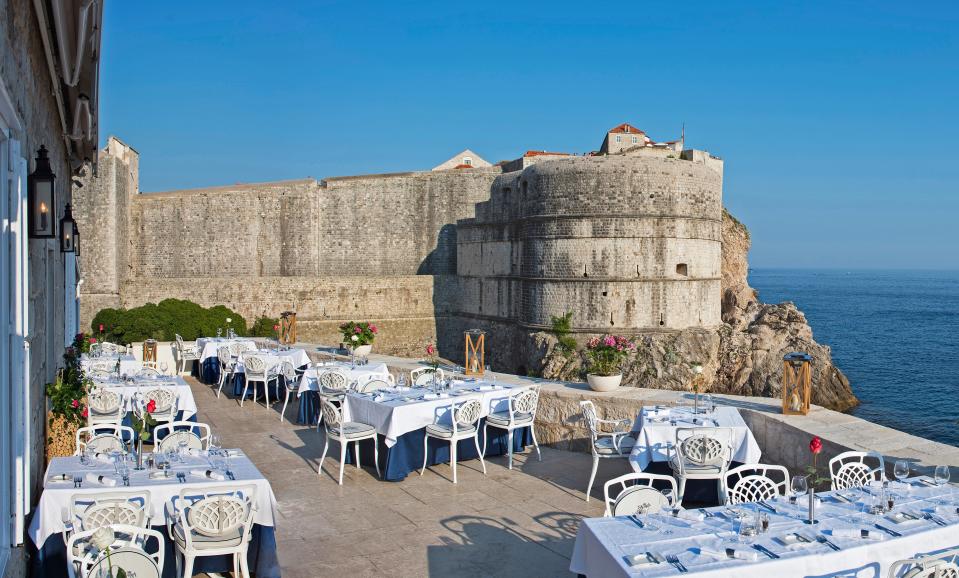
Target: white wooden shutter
x,y
20,345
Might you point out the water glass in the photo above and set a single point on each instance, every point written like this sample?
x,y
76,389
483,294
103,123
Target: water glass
x,y
747,530
182,450
219,332
163,367
123,469
901,472
642,512
215,442
799,486
941,477
401,380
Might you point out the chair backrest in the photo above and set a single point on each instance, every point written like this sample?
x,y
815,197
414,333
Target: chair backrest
x,y
642,491
423,376
468,413
331,416
104,401
238,347
94,511
137,550
102,367
941,565
372,385
224,355
589,416
168,436
108,348
525,401
103,438
856,469
164,397
255,367
288,371
756,482
333,379
215,512
179,342
703,446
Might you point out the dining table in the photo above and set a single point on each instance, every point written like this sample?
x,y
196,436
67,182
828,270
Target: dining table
x,y
308,388
129,364
67,480
209,365
850,536
133,386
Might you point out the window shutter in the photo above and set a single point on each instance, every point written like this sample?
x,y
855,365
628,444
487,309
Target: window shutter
x,y
20,348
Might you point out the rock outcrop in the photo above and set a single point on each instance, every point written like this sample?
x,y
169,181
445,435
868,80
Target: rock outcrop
x,y
743,356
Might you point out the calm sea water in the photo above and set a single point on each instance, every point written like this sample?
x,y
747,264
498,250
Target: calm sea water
x,y
895,334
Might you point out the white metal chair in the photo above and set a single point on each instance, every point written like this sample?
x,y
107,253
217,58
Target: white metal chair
x,y
853,469
755,482
104,438
107,348
423,376
257,371
104,407
343,433
941,565
212,522
167,402
605,444
185,353
91,511
636,489
291,382
168,436
137,550
333,385
464,422
227,365
701,453
373,385
520,413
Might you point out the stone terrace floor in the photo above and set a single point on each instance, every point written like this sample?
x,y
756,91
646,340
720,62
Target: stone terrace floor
x,y
508,523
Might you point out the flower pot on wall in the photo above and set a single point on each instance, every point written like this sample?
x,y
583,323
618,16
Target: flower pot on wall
x,y
603,382
363,350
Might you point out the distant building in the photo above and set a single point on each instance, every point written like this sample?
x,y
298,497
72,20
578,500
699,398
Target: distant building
x,y
531,158
466,159
626,138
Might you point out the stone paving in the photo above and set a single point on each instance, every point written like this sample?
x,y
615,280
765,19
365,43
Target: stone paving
x,y
508,523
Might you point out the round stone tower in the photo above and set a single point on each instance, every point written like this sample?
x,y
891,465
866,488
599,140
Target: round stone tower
x,y
627,243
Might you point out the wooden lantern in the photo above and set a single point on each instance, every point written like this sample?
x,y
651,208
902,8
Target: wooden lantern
x,y
150,353
288,327
797,377
475,357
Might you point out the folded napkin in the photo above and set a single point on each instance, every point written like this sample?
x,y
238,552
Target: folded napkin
x,y
209,474
904,517
793,541
863,533
737,553
102,480
102,457
644,559
485,388
60,478
402,388
233,453
436,396
690,515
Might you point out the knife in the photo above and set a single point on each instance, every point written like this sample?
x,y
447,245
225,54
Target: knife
x,y
766,551
892,533
637,521
766,505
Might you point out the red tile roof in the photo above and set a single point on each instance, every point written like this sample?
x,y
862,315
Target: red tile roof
x,y
541,153
626,128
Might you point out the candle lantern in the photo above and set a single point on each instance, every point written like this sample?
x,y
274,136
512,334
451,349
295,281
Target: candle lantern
x,y
475,356
41,197
68,231
797,377
150,353
288,327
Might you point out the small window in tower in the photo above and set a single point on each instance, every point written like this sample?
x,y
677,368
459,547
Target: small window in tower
x,y
522,186
682,269
619,138
468,161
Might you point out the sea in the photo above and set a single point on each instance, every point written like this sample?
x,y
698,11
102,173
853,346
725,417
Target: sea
x,y
894,333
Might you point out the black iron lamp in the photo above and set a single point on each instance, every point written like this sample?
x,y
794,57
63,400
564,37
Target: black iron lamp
x,y
68,231
41,196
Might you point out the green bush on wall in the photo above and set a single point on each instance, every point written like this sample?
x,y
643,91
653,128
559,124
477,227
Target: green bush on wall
x,y
163,320
263,327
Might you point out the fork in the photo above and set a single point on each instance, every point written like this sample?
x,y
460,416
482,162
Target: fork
x,y
181,476
674,560
77,481
934,519
229,474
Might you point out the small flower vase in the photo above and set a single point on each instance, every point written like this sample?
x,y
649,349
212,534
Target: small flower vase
x,y
139,454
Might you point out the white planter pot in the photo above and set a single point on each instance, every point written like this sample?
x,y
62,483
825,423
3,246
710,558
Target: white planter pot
x,y
362,350
603,382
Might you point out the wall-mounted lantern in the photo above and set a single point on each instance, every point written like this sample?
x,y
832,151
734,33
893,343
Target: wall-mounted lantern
x,y
68,231
41,197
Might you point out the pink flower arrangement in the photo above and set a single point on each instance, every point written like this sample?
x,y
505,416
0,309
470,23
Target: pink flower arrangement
x,y
605,355
373,328
356,334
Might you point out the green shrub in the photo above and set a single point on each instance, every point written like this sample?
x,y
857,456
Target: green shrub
x,y
163,320
263,327
562,327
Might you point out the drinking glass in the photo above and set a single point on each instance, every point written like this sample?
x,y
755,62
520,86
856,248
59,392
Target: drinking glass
x,y
214,442
181,451
642,512
401,380
163,367
901,472
799,486
668,508
123,469
219,332
747,530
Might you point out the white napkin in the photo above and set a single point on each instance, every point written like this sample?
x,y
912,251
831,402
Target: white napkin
x,y
737,553
436,396
491,388
691,515
209,474
379,398
643,559
793,542
858,533
61,478
102,480
101,457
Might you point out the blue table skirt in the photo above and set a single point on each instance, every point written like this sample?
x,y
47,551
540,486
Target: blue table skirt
x,y
51,560
407,454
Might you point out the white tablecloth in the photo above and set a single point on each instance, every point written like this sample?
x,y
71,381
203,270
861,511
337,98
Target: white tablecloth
x,y
603,544
209,345
48,518
129,365
360,374
653,437
185,401
397,416
274,357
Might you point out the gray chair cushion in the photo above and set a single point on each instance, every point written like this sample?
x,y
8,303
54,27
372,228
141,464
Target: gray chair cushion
x,y
693,468
605,447
501,418
446,431
352,429
201,542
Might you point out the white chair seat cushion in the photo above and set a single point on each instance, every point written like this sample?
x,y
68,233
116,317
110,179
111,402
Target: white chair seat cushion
x,y
202,542
605,447
353,429
96,413
695,469
501,418
439,430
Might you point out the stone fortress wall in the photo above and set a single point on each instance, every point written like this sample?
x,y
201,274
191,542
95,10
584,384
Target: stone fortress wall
x,y
628,243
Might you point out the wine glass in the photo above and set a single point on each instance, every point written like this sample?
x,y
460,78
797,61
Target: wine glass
x,y
219,332
214,443
182,450
163,367
123,469
941,477
901,472
799,486
668,508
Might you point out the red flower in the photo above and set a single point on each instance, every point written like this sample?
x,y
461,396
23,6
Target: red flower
x,y
93,340
75,404
430,350
85,413
276,328
101,328
815,446
373,328
151,406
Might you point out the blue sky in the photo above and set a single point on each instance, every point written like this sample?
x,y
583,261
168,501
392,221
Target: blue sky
x,y
837,120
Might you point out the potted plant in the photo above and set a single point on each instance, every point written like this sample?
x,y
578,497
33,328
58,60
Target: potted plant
x,y
359,337
604,357
66,400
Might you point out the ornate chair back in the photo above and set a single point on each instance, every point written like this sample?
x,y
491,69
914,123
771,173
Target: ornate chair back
x,y
641,493
92,512
255,367
225,357
468,413
756,482
169,435
853,469
525,402
238,347
372,385
333,380
423,376
104,401
702,447
331,417
103,438
942,565
164,397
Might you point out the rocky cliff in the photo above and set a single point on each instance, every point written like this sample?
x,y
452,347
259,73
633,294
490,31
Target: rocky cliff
x,y
743,356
